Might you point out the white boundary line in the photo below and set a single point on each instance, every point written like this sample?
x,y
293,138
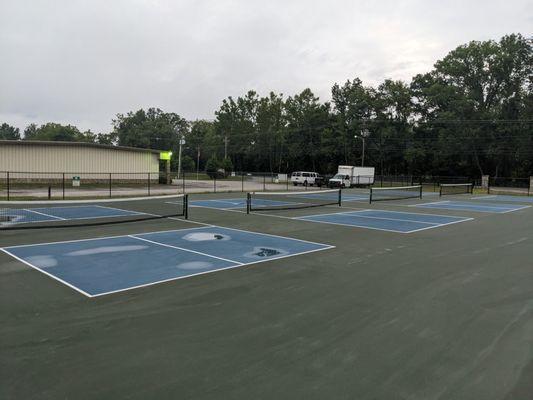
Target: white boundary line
x,y
516,209
237,263
104,237
183,249
487,208
438,226
407,212
46,273
425,204
432,225
210,272
41,213
351,225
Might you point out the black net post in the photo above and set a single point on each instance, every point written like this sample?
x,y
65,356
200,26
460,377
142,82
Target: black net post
x,y
420,191
186,206
370,197
340,197
248,202
49,192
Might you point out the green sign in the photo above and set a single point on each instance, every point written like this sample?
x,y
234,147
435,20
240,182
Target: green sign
x,y
165,155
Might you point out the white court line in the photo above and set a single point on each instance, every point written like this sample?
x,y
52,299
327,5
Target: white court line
x,y
515,209
105,237
409,213
41,213
211,271
393,219
479,207
183,249
46,273
439,225
351,225
425,204
131,212
237,263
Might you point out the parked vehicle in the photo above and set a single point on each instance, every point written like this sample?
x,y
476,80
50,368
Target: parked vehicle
x,y
306,179
348,176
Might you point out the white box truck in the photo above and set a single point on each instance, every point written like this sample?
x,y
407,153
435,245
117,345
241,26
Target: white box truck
x,y
348,176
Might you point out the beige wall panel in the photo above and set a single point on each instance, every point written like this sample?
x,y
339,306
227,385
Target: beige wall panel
x,y
76,159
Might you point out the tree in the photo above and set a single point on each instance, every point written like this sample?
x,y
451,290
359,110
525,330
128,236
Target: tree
x,y
212,166
56,132
151,129
8,132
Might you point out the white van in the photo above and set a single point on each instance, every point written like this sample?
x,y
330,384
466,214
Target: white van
x,y
306,178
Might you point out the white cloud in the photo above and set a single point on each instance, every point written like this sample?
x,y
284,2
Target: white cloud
x,y
82,62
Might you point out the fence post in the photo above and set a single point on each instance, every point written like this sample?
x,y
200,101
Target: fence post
x,y
485,183
530,186
63,186
264,182
149,177
7,185
109,184
215,183
242,181
49,192
183,181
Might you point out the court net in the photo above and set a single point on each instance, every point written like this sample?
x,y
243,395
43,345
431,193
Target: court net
x,y
456,188
52,214
395,193
265,201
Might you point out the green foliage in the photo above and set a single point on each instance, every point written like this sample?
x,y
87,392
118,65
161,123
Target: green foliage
x,y
151,129
57,132
471,114
227,166
212,167
8,132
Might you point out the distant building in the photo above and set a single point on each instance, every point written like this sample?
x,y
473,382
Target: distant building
x,y
42,159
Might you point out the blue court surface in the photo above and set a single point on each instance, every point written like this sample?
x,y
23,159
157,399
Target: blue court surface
x,y
504,198
472,206
96,267
45,214
392,221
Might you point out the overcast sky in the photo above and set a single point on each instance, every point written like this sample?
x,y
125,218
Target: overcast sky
x,y
82,62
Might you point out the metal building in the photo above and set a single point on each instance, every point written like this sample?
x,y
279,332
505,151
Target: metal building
x,y
47,159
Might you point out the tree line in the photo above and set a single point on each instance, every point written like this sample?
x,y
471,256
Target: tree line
x,y
472,114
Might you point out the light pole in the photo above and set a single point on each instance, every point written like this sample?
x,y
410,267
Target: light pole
x,y
182,142
362,136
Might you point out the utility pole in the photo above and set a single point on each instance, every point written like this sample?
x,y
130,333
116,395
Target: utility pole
x,y
225,146
198,163
364,134
182,142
